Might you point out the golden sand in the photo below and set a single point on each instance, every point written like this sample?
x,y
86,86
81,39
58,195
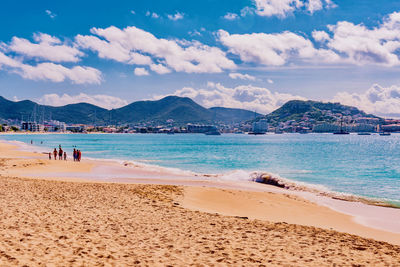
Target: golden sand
x,y
65,223
91,224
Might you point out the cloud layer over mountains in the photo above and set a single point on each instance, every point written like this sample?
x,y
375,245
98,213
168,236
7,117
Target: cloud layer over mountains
x,y
51,58
45,57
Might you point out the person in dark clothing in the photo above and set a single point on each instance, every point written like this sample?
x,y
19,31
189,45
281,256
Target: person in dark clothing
x,y
60,154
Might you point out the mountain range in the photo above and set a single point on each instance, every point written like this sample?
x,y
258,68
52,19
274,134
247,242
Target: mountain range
x,y
179,109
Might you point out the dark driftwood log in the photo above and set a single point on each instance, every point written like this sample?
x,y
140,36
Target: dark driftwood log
x,y
268,179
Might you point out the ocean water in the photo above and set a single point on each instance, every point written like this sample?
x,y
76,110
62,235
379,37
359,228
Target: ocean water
x,y
361,165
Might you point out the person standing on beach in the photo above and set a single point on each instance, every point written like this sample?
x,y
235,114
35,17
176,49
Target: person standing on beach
x,y
74,154
50,155
60,153
79,155
55,154
65,155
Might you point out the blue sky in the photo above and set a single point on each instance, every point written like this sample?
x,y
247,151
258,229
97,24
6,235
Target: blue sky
x,y
253,54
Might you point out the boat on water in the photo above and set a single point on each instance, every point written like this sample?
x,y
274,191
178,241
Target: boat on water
x,y
256,133
212,133
341,131
303,132
382,132
362,133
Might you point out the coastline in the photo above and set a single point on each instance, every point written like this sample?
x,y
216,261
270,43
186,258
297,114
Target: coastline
x,y
356,215
314,179
241,175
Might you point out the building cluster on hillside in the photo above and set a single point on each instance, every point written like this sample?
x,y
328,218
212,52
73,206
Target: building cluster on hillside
x,y
330,122
355,123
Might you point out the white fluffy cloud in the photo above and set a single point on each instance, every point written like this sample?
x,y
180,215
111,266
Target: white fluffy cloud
x,y
314,5
104,101
159,68
361,45
320,36
112,50
58,73
274,49
283,8
280,8
47,47
330,4
231,16
177,55
235,75
50,14
47,50
245,96
140,72
51,72
344,43
376,100
152,14
176,16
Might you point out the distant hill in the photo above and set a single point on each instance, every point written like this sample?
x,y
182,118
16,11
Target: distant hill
x,y
73,113
233,114
180,109
296,109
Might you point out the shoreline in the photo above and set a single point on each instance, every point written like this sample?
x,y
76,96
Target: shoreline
x,y
110,172
289,184
252,176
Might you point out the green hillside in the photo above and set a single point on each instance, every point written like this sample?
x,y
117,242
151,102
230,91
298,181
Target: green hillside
x,y
233,115
179,109
318,111
74,113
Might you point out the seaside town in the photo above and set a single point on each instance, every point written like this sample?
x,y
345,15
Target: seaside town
x,y
356,124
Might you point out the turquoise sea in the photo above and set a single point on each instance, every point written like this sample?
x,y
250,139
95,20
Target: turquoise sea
x,y
361,165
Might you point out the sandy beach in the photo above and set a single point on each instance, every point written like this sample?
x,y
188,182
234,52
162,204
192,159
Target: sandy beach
x,y
58,213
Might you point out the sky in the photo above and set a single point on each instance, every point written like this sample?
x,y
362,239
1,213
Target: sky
x,y
251,54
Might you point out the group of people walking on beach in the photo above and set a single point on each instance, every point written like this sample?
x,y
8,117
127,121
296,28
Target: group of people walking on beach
x,y
77,154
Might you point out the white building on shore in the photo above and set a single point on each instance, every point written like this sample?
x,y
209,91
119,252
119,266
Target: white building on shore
x,y
260,126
